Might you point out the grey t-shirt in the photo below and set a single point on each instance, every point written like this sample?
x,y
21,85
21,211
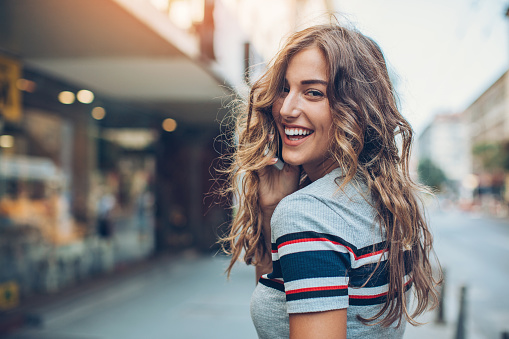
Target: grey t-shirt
x,y
325,246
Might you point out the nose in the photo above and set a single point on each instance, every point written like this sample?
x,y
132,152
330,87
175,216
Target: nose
x,y
290,107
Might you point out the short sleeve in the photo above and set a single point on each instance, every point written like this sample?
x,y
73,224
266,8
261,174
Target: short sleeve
x,y
314,259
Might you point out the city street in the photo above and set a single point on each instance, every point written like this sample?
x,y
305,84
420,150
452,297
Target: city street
x,y
474,252
184,297
189,297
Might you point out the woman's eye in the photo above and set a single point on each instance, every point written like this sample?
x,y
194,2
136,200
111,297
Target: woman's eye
x,y
315,93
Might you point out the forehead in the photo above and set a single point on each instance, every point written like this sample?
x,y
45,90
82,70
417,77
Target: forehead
x,y
307,64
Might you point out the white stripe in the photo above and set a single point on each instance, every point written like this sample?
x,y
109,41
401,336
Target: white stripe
x,y
372,259
311,246
275,256
278,279
371,291
316,282
368,291
317,304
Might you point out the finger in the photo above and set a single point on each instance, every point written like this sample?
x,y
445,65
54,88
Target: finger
x,y
268,166
269,162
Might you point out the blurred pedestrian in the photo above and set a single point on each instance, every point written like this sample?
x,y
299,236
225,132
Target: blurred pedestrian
x,y
105,207
338,235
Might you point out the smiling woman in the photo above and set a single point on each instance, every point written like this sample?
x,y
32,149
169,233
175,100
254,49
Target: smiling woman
x,y
337,236
302,114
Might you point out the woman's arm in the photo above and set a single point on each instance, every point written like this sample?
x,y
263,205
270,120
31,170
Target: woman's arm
x,y
316,274
328,324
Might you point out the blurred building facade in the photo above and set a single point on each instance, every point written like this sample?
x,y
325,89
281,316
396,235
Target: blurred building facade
x,y
488,120
269,22
109,110
472,149
445,143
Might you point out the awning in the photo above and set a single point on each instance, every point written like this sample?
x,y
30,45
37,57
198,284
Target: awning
x,y
123,49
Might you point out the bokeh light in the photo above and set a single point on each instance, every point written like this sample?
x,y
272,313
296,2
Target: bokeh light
x,y
66,97
169,125
85,96
26,85
6,141
98,113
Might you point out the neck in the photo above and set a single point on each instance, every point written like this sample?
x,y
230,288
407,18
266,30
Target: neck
x,y
316,171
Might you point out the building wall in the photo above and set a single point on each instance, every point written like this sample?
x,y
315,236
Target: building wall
x,y
445,142
269,22
488,116
488,122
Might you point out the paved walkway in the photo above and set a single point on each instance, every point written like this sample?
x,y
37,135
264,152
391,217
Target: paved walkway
x,y
183,297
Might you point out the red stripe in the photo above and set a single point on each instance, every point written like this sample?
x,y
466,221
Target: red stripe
x,y
367,296
289,242
321,288
370,254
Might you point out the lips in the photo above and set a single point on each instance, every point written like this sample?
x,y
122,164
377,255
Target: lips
x,y
295,134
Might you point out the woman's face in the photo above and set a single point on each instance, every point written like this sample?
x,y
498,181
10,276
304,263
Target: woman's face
x,y
302,112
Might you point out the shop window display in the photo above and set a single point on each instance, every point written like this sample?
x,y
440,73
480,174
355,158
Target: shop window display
x,y
34,176
52,231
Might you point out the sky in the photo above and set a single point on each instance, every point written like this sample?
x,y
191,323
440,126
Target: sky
x,y
444,53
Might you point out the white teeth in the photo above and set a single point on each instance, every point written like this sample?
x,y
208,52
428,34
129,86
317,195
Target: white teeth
x,y
297,131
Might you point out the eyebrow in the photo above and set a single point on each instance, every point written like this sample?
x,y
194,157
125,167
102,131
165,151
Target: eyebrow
x,y
313,81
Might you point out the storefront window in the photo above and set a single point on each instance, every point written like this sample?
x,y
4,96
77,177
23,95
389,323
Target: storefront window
x,y
34,177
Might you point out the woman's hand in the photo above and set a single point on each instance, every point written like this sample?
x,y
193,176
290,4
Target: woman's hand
x,y
276,184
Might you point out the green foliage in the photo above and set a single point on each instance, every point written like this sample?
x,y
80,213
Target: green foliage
x,y
492,155
431,175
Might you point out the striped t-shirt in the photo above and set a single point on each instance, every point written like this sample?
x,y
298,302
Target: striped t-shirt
x,y
325,246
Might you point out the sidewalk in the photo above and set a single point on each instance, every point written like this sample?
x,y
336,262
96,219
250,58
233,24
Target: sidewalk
x,y
32,312
185,296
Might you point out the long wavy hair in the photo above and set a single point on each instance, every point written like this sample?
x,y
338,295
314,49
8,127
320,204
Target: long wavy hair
x,y
371,142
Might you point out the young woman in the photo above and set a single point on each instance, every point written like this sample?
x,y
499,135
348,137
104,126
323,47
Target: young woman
x,y
338,236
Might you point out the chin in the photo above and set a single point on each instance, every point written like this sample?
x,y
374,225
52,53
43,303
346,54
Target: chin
x,y
293,162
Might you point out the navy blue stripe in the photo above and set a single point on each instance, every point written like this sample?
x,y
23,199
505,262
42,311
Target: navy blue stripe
x,y
272,284
276,270
273,246
319,264
373,301
317,294
367,302
359,276
314,264
313,235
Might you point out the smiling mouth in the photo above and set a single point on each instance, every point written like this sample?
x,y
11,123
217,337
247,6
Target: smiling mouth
x,y
294,134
